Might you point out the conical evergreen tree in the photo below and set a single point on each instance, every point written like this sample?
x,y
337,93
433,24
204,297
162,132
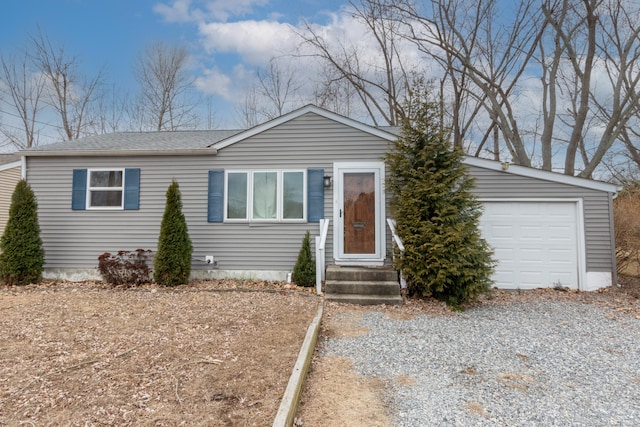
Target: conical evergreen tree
x,y
436,213
304,272
172,263
22,257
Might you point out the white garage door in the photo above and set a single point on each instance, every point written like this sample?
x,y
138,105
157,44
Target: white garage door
x,y
535,243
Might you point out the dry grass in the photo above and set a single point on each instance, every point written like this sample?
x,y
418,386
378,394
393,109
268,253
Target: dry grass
x,y
212,353
91,355
627,231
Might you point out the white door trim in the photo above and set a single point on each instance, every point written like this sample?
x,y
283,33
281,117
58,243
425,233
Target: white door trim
x,y
376,259
580,228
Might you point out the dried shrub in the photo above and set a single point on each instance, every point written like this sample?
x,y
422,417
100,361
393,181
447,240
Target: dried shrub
x,y
627,230
126,267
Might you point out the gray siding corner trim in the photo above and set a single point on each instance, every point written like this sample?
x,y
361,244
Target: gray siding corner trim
x,y
612,231
121,153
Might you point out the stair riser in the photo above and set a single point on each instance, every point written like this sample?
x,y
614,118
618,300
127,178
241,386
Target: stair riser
x,y
332,287
362,275
355,299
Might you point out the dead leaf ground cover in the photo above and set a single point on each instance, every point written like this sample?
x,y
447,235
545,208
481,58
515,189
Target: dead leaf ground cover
x,y
214,353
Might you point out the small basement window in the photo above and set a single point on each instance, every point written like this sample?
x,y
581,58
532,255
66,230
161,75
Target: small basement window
x,y
105,189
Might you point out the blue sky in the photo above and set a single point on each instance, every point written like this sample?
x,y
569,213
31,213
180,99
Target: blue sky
x,y
228,39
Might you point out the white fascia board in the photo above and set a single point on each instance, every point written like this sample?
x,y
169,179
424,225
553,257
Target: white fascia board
x,y
543,175
16,164
297,113
121,153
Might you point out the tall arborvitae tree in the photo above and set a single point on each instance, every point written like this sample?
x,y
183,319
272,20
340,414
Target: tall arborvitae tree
x,y
172,263
437,215
22,257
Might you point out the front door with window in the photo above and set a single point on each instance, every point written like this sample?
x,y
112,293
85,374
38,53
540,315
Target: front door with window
x,y
359,213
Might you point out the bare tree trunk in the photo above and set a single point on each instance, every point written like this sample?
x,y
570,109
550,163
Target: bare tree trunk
x,y
492,59
620,45
582,67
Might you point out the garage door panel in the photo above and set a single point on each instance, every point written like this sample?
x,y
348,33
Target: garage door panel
x,y
530,279
532,232
535,243
531,255
502,231
564,231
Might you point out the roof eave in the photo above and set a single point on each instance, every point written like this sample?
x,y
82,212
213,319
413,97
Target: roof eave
x,y
121,153
543,175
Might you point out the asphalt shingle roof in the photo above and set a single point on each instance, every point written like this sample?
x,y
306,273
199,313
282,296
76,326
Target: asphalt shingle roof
x,y
132,141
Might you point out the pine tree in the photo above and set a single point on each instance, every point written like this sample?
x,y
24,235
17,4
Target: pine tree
x,y
304,272
22,257
172,263
436,213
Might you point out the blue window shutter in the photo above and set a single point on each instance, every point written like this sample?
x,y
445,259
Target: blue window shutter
x,y
132,189
215,196
79,190
315,194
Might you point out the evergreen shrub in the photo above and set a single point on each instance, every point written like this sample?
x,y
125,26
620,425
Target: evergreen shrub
x,y
172,263
304,272
22,256
436,214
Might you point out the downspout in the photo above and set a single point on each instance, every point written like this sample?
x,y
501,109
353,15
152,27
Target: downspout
x,y
23,167
612,232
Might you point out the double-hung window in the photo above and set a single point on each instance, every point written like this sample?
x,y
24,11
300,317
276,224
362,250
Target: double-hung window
x,y
266,195
105,189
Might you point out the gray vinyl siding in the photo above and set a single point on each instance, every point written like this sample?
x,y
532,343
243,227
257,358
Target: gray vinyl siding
x,y
8,180
597,215
309,141
75,239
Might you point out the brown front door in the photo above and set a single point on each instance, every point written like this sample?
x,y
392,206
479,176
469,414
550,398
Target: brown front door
x,y
359,213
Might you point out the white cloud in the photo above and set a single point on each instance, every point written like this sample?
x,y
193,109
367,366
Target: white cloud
x,y
236,49
206,10
224,9
231,87
254,41
178,11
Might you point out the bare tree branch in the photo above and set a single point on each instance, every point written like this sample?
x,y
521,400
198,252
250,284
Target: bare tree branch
x,y
165,88
24,89
67,92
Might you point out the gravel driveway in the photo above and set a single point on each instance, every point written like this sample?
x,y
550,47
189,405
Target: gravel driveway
x,y
546,363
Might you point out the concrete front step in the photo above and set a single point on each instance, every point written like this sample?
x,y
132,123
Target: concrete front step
x,y
364,288
361,274
362,285
365,299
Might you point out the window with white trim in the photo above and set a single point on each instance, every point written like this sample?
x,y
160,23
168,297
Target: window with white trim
x,y
105,189
266,195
